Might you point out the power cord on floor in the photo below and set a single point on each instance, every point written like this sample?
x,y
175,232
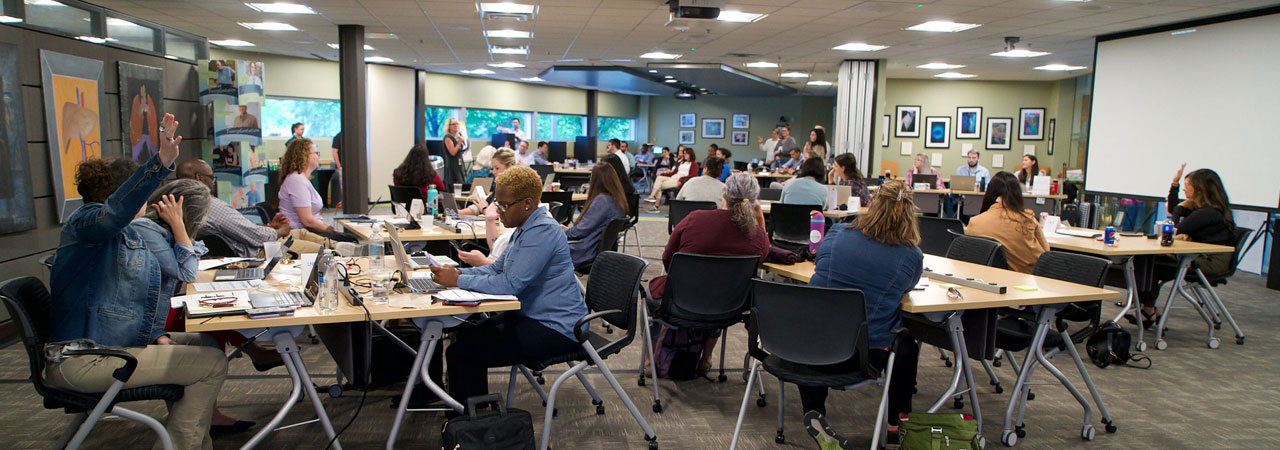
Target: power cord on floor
x,y
364,393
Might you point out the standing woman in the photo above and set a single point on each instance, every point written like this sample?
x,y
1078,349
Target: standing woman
x,y
416,170
844,172
605,202
1004,219
922,167
817,145
299,201
1031,167
453,148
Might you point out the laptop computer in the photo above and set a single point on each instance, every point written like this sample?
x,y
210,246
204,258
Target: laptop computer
x,y
965,183
255,273
419,285
449,205
546,183
296,299
924,178
485,182
842,195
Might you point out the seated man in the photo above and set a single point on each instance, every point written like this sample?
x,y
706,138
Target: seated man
x,y
244,237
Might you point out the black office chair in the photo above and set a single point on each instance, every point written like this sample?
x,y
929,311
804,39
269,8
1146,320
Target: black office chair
x,y
1200,282
27,301
934,236
690,302
266,212
218,247
404,195
543,170
770,194
564,214
633,219
681,208
611,296
608,243
787,319
252,214
789,225
975,250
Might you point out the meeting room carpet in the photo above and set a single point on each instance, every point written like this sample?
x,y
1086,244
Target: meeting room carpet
x,y
1192,397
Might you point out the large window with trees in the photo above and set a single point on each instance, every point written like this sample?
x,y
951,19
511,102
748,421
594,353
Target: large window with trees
x,y
561,127
322,117
620,128
434,118
482,123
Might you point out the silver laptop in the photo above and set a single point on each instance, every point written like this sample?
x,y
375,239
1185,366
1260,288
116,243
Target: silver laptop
x,y
842,194
546,184
254,273
485,182
965,183
407,265
297,299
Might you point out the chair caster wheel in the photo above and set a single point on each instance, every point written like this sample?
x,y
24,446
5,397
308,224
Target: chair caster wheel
x,y
722,378
542,380
761,402
947,363
780,439
657,406
1020,431
555,412
982,442
1240,340
1087,432
959,404
1031,396
1110,427
600,410
1009,439
1142,346
1217,326
999,389
653,444
1161,344
1214,343
335,391
915,390
640,382
315,340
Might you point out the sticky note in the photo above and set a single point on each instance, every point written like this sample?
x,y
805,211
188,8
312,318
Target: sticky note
x,y
1026,288
936,160
906,148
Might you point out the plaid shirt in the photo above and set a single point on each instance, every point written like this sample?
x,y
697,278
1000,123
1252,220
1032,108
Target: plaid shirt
x,y
244,237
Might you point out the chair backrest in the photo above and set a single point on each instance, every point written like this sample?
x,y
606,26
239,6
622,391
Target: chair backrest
x,y
27,301
974,250
609,238
565,213
252,214
891,166
633,209
934,238
681,208
1079,269
790,223
1242,238
615,284
217,246
809,325
265,211
770,194
404,195
543,170
999,260
691,297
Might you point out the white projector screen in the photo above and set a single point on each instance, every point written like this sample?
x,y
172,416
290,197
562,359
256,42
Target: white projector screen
x,y
1208,97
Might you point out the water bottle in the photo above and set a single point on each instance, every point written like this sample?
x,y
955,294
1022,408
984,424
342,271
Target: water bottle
x,y
817,224
1166,232
329,289
377,251
431,201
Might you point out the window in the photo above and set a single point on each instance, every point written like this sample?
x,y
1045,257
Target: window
x,y
561,127
616,128
483,123
323,118
182,47
57,16
434,118
131,35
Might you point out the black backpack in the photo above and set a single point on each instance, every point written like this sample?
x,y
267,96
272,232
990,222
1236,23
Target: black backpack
x,y
498,429
1110,345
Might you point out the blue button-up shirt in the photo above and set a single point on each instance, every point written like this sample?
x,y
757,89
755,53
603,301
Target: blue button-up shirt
x,y
980,173
884,273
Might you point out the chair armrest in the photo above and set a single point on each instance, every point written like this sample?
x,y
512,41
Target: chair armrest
x,y
647,297
577,328
123,373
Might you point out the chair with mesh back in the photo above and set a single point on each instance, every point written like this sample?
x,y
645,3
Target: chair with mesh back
x,y
681,208
633,219
999,260
564,214
612,293
608,243
266,212
934,236
975,250
816,337
27,301
789,225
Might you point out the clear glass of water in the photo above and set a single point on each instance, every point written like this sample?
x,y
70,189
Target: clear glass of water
x,y
382,284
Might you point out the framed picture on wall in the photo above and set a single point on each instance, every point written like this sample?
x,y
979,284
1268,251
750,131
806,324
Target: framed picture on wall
x,y
688,120
1051,126
686,137
713,128
741,121
1030,124
908,122
739,138
939,128
969,122
998,129
884,130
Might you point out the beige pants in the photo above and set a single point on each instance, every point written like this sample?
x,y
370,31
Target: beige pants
x,y
305,241
196,361
664,183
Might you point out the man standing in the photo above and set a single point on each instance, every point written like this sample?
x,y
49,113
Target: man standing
x,y
972,168
515,130
244,237
297,129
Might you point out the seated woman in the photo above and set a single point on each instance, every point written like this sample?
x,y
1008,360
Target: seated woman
x,y
725,155
665,160
804,189
416,170
480,167
1004,219
736,229
876,254
501,160
299,201
1205,216
97,298
605,203
686,168
844,172
1030,168
923,167
537,269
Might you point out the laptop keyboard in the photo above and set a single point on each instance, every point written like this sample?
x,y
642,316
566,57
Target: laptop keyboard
x,y
424,285
422,261
296,299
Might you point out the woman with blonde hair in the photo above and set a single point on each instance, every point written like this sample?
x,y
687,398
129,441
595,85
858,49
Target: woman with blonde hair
x,y
923,167
453,153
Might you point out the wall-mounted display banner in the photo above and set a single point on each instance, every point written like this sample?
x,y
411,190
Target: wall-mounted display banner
x,y
73,102
17,210
217,81
232,91
141,95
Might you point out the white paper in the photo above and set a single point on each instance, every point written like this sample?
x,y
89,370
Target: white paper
x,y
855,203
227,285
464,295
193,300
966,147
997,160
936,160
1029,149
416,208
906,148
832,198
1041,185
206,264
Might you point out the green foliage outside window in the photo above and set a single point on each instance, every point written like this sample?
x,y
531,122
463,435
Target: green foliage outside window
x,y
322,117
561,127
483,123
435,118
616,128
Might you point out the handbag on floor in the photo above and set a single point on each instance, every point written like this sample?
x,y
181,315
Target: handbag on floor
x,y
1110,345
678,353
497,429
938,431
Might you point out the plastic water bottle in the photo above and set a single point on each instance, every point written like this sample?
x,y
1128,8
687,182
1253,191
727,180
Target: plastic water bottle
x,y
817,224
377,251
1166,232
431,200
329,289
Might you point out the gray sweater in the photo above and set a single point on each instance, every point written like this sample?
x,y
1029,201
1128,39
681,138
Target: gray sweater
x,y
703,189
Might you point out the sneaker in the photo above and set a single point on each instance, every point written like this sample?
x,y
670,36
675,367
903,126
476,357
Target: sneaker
x,y
650,200
821,432
655,210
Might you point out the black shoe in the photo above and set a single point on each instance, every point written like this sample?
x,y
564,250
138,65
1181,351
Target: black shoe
x,y
268,366
816,424
239,427
1147,319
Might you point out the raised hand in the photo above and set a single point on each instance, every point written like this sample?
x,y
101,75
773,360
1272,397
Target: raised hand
x,y
168,142
1177,178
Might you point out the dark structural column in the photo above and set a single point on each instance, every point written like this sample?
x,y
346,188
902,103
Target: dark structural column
x,y
352,91
419,103
593,132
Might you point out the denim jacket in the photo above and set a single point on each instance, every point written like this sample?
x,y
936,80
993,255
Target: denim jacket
x,y
108,283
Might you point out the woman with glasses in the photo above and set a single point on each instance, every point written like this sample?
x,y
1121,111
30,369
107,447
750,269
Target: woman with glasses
x,y
299,201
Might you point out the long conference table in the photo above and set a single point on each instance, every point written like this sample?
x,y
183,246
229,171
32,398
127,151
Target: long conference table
x,y
1046,295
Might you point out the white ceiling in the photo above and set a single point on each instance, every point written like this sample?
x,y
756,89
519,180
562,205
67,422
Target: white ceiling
x,y
448,36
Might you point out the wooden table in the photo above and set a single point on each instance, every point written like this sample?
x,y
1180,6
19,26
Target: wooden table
x,y
765,207
579,171
1140,251
463,199
282,330
1049,297
436,232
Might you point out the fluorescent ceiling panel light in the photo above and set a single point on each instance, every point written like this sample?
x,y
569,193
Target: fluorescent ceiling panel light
x,y
281,8
618,60
509,50
232,43
508,65
10,19
652,71
942,26
510,34
478,72
739,17
1060,67
668,77
1020,53
859,47
954,75
93,39
660,55
762,65
508,8
268,26
378,59
571,60
939,66
336,46
380,36
43,3
531,79
175,58
819,83
669,81
795,75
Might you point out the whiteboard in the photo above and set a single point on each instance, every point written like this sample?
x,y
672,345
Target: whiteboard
x,y
1206,95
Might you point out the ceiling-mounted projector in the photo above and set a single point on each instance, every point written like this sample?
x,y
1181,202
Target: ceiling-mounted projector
x,y
686,94
695,9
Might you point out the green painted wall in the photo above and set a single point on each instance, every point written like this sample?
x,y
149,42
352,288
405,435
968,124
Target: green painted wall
x,y
803,111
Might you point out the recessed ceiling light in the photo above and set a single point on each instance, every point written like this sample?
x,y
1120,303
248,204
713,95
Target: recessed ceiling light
x,y
670,81
1060,67
336,46
509,50
795,75
532,79
819,83
507,65
859,47
1020,53
232,43
1075,1
618,60
571,60
668,77
508,8
652,71
378,59
954,75
943,26
10,19
281,8
93,39
479,72
939,66
660,55
762,65
511,34
739,17
120,22
268,26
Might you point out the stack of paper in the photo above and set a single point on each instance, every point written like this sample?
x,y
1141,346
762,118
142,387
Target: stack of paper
x,y
237,303
465,296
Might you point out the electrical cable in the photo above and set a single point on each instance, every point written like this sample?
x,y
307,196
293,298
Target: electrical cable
x,y
364,393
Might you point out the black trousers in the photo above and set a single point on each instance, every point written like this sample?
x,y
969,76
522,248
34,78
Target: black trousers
x,y
500,341
902,383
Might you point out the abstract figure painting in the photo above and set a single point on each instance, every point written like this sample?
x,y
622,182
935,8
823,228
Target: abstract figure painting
x,y
141,93
73,101
908,121
1030,124
998,129
17,210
